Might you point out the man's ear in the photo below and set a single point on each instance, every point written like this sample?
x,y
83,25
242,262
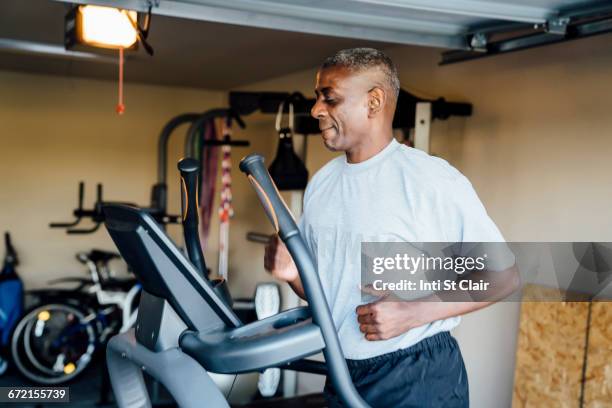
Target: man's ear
x,y
376,101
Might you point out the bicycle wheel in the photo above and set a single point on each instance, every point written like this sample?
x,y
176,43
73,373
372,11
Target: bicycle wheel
x,y
53,343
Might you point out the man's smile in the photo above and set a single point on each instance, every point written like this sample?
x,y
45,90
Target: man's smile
x,y
328,133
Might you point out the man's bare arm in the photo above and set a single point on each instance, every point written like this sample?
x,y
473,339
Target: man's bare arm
x,y
279,263
386,318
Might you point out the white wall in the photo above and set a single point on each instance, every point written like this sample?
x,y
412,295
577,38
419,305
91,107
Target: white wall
x,y
56,131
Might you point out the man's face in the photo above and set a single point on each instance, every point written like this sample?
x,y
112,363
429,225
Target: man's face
x,y
341,107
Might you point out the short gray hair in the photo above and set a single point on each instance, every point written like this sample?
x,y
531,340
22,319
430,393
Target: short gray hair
x,y
359,59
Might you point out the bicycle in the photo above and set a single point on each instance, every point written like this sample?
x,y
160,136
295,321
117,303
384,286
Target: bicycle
x,y
56,340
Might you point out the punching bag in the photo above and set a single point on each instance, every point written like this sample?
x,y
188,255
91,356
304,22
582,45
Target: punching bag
x,y
287,169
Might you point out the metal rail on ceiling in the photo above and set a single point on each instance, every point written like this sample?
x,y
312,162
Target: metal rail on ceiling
x,y
465,27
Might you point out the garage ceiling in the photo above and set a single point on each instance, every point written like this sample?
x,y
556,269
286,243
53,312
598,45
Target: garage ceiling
x,y
220,44
188,52
437,23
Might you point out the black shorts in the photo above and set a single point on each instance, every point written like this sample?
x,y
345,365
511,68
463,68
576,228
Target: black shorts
x,y
429,374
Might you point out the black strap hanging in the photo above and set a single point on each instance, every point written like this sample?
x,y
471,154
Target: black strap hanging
x,y
287,169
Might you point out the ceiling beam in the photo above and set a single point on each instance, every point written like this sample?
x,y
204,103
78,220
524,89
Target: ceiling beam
x,y
299,18
53,50
473,8
574,32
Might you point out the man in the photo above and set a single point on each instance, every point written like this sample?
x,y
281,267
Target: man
x,y
399,354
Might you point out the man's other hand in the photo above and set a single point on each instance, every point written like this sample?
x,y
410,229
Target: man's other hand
x,y
278,261
387,318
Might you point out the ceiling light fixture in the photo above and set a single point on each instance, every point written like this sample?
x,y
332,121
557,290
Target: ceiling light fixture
x,y
101,27
110,28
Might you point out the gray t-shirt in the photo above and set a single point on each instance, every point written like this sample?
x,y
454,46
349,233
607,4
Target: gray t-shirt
x,y
400,194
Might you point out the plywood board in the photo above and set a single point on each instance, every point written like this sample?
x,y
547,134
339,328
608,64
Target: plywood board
x,y
550,352
598,384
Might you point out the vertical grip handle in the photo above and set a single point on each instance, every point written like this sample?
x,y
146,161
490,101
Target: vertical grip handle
x,y
189,169
274,205
284,223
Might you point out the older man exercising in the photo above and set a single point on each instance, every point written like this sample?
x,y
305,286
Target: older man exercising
x,y
400,354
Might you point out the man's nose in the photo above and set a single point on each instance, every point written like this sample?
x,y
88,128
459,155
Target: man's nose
x,y
318,110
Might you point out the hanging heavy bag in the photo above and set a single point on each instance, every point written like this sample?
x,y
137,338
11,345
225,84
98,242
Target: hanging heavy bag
x,y
287,169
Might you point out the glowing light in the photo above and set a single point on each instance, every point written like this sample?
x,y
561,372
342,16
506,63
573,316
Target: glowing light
x,y
69,368
44,315
106,27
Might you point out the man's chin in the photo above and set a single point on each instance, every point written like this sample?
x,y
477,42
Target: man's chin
x,y
329,144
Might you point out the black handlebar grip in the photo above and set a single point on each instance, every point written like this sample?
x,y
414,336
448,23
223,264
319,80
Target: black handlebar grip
x,y
189,169
275,207
284,223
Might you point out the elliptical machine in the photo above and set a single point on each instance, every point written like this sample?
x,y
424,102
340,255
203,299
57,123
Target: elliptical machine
x,y
186,329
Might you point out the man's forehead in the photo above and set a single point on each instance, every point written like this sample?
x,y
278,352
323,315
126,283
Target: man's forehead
x,y
332,76
339,77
